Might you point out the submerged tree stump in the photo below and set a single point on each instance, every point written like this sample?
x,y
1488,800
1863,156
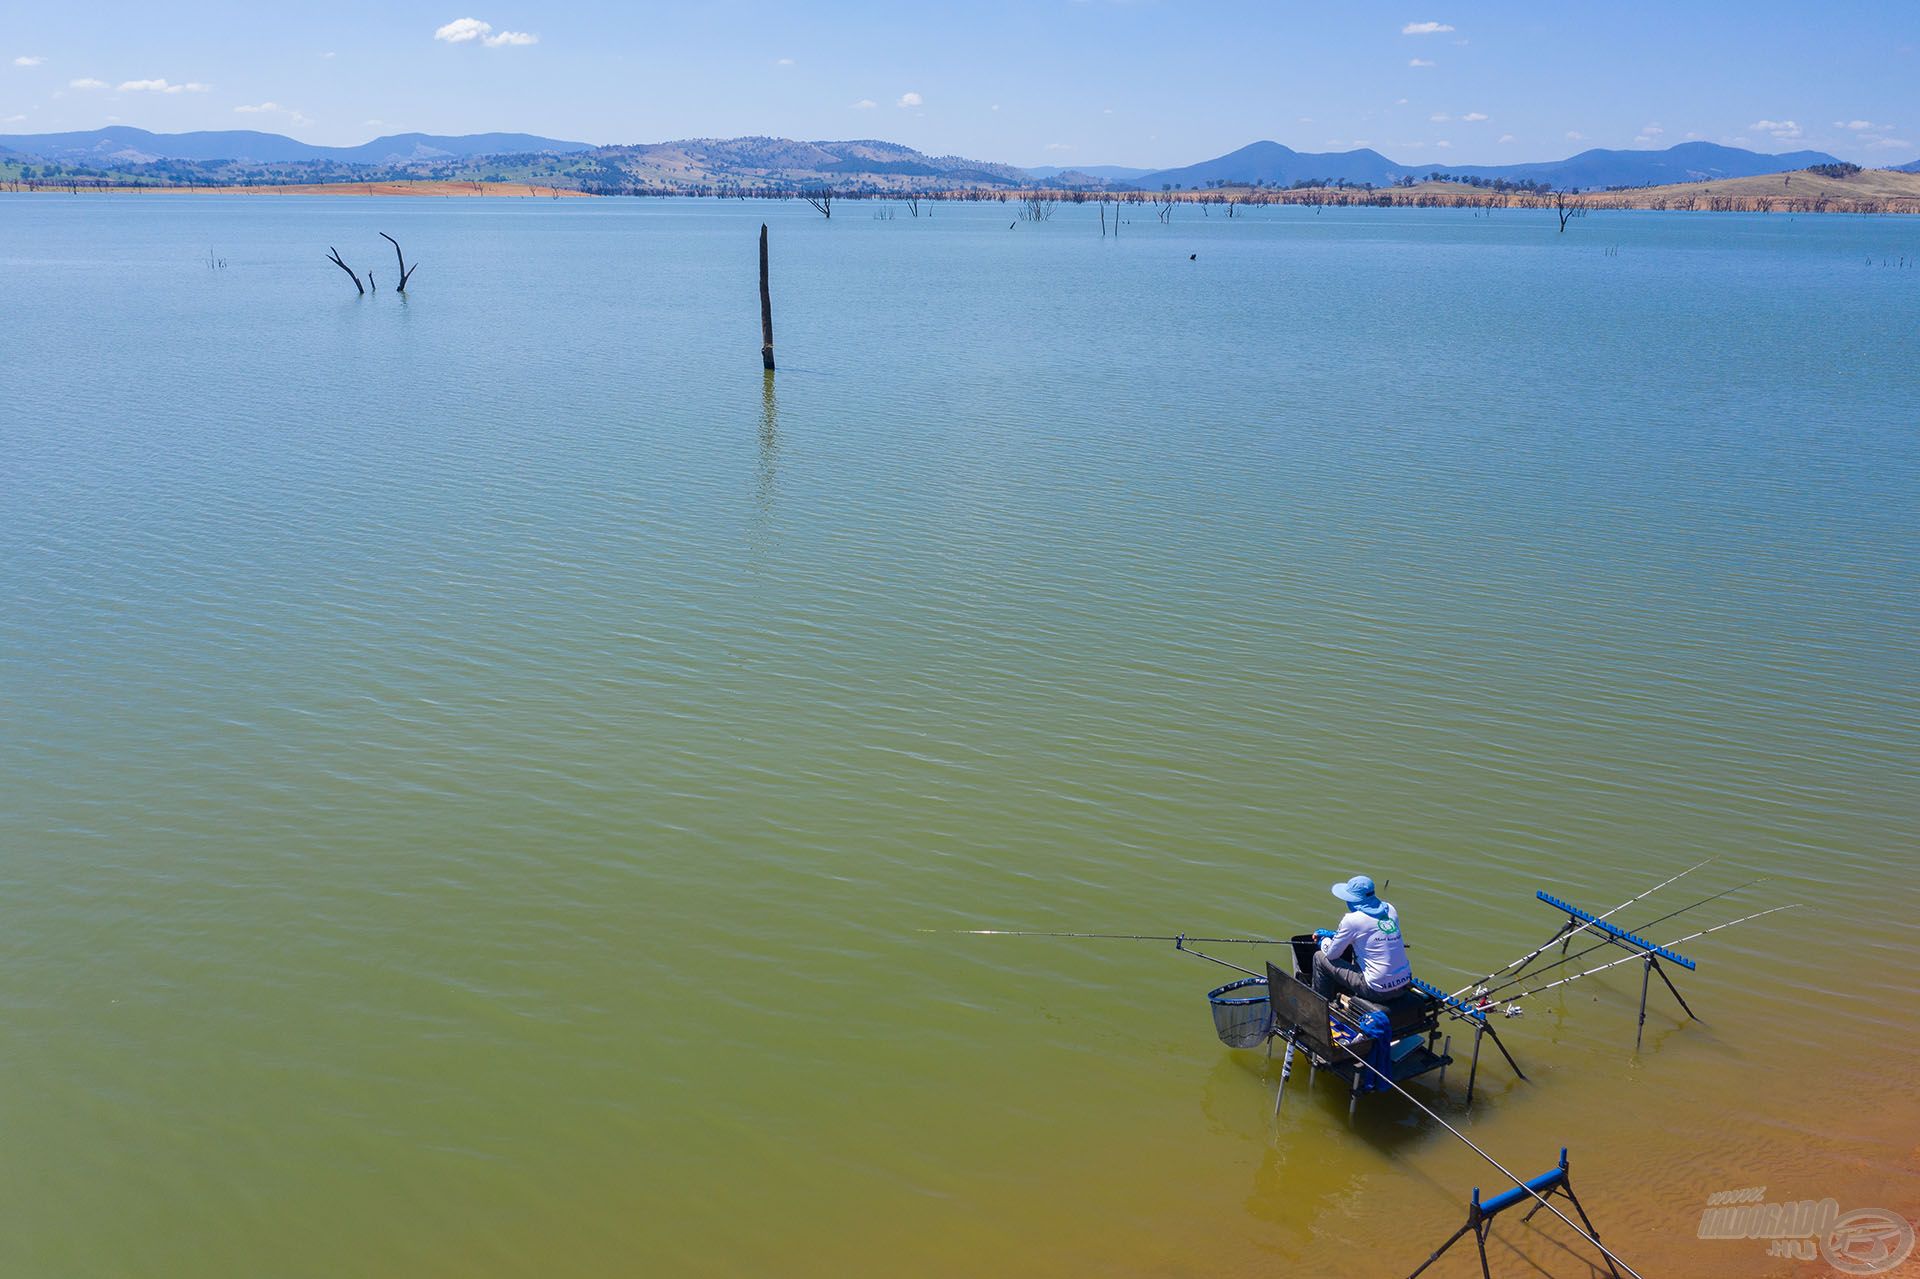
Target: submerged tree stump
x,y
766,307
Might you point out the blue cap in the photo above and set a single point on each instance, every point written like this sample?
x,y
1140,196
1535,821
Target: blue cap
x,y
1354,891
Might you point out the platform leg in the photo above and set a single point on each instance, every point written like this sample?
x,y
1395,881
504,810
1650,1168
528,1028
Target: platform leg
x,y
1446,1050
1676,991
1473,1071
1594,1234
1646,976
1452,1239
1286,1068
1495,1036
1480,1237
1353,1101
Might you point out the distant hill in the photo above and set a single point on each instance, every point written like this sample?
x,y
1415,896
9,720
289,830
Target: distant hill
x,y
1272,164
865,163
1913,167
1106,172
1277,165
122,145
123,156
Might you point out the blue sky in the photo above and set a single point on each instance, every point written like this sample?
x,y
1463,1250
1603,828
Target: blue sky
x,y
1144,82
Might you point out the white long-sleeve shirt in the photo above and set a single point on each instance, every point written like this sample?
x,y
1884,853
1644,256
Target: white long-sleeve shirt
x,y
1377,948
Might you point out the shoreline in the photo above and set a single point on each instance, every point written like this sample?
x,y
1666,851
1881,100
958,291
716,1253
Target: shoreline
x,y
1885,192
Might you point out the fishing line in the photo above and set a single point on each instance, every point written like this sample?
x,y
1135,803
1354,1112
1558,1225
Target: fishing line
x,y
1592,1239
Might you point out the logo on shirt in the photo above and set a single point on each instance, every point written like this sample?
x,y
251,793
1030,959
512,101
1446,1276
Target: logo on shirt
x,y
1388,926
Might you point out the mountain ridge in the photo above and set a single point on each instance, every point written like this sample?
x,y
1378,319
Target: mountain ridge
x,y
121,143
1274,164
228,157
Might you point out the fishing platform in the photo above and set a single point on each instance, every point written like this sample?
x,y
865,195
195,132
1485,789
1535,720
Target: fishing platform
x,y
1370,1045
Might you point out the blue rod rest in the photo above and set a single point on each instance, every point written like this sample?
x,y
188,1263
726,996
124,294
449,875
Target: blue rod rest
x,y
1460,1006
1611,931
1539,1186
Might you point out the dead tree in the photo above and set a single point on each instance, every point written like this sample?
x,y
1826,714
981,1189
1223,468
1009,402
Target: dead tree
x,y
766,307
1164,207
333,256
1568,208
1037,208
913,205
405,270
822,202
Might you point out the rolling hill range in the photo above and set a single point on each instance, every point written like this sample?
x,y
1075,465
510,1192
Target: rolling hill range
x,y
123,145
122,155
1272,164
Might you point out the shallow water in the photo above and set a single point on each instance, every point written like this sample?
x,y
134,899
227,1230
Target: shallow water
x,y
477,766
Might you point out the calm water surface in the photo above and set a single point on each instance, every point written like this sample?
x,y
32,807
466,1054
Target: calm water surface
x,y
476,767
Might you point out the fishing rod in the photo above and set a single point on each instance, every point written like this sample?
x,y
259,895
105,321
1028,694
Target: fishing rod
x,y
1179,940
1504,1171
1637,955
1511,982
1006,932
1568,933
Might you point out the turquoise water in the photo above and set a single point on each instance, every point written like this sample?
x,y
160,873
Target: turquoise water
x,y
477,765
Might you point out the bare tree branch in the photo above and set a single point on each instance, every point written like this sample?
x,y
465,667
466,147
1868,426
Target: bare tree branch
x,y
333,256
405,270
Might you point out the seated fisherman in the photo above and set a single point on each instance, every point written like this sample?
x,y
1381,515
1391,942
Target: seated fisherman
x,y
1365,956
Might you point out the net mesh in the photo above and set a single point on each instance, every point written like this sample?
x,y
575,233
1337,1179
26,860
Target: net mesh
x,y
1242,1014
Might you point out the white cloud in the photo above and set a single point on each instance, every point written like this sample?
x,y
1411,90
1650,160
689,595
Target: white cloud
x,y
1419,62
911,100
329,54
865,104
1474,117
274,108
1574,135
462,30
1652,130
87,83
11,119
467,30
1778,128
1506,137
1443,143
28,60
1859,126
1399,102
1440,117
1890,144
783,62
1694,137
1059,146
1424,28
161,86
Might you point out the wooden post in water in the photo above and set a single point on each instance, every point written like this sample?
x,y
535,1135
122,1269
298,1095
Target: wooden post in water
x,y
766,307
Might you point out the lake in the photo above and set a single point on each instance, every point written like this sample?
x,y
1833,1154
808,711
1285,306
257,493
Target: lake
x,y
479,767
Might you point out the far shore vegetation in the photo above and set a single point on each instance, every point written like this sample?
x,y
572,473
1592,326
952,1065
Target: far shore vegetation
x,y
1825,188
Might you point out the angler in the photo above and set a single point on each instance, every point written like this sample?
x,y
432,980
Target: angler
x,y
1365,957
